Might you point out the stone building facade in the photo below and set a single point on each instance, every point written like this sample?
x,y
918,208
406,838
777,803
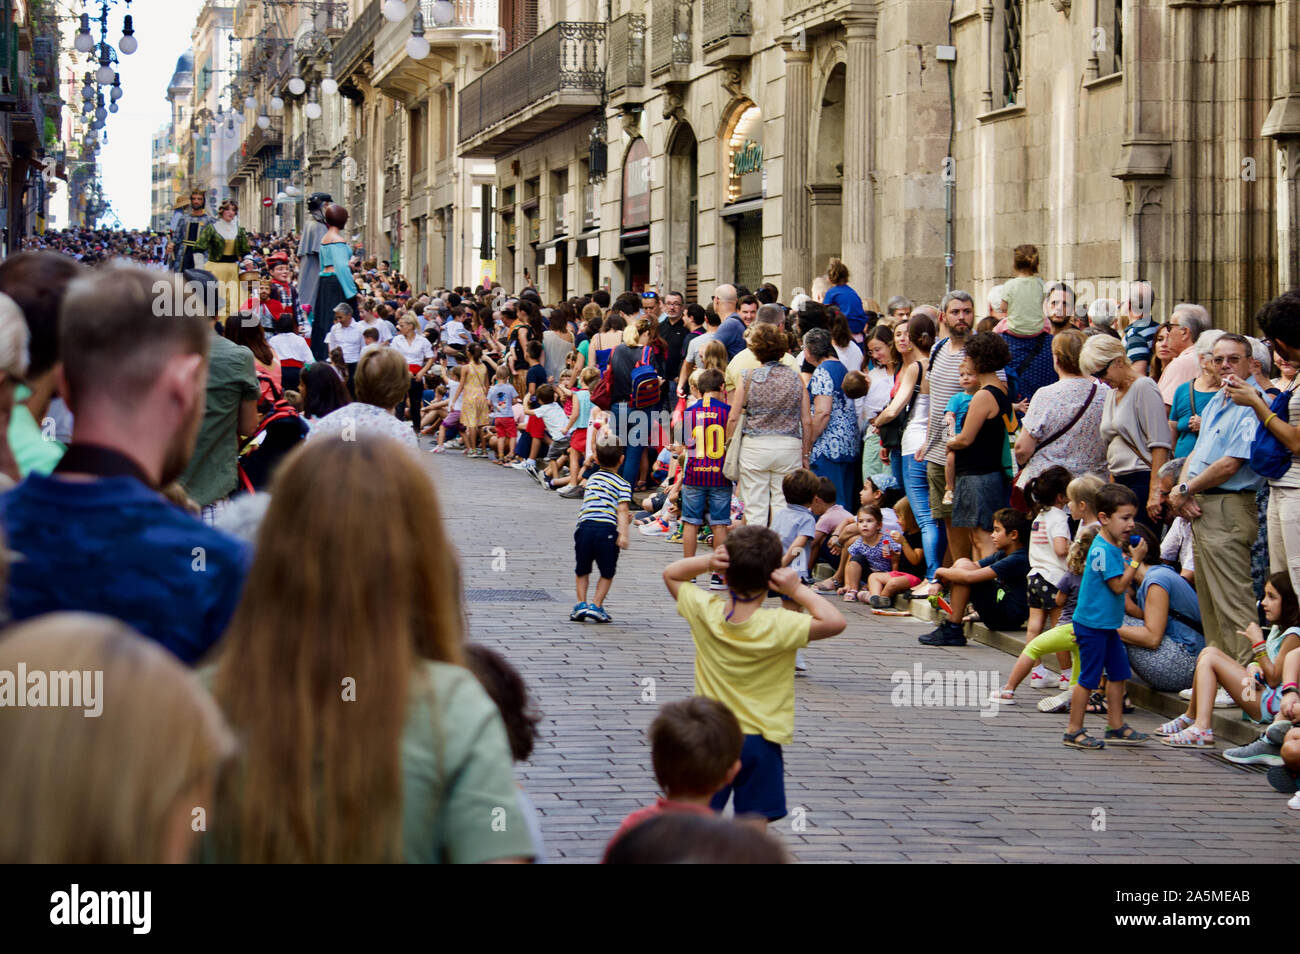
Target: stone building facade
x,y
918,140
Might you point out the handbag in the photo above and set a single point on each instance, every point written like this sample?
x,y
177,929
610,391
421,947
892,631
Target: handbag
x,y
1018,501
1269,457
731,462
891,432
600,394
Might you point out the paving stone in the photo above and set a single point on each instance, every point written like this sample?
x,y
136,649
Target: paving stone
x,y
880,783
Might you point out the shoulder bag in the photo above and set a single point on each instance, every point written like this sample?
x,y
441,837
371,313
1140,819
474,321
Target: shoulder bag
x,y
891,432
731,463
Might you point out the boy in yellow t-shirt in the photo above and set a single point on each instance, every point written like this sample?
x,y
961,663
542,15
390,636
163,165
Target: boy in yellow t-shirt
x,y
744,654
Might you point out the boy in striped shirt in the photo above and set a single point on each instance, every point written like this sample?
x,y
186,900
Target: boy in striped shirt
x,y
601,531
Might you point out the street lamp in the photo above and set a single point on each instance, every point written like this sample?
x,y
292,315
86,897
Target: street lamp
x,y
417,47
296,85
328,85
393,10
128,44
84,42
443,11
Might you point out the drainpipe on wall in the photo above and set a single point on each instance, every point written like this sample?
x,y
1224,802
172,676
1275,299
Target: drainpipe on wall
x,y
950,173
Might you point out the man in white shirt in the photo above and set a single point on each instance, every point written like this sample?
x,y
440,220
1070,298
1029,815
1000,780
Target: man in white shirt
x,y
346,336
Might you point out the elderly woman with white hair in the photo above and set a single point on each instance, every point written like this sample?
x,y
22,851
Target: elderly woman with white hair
x,y
13,368
1102,314
1133,423
1191,397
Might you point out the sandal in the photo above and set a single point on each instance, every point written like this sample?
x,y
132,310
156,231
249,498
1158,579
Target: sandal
x,y
1082,740
1127,735
823,588
864,596
1191,738
1005,697
1175,726
850,596
1097,703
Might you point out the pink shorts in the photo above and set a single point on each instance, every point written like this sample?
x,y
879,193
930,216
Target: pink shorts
x,y
911,580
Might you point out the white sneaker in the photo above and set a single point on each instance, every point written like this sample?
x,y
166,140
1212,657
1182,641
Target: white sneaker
x,y
1294,802
800,663
1048,680
1221,698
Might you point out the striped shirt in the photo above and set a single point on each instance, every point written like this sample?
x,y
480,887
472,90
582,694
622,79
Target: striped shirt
x,y
704,429
605,491
1138,338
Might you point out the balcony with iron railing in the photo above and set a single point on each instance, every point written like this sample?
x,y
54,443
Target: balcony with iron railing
x,y
671,47
401,75
260,139
545,84
726,28
357,42
233,164
625,80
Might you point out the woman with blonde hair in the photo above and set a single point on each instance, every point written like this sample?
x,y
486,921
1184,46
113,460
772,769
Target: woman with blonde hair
x,y
365,738
122,786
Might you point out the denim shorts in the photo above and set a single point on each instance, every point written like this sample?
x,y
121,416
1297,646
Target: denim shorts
x,y
975,498
713,502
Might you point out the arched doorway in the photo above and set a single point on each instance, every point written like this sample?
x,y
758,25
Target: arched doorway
x,y
745,183
827,175
634,235
683,213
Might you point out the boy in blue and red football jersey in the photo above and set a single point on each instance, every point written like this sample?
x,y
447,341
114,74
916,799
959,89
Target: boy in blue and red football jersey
x,y
705,492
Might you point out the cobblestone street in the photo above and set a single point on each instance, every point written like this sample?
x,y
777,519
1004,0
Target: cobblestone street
x,y
866,780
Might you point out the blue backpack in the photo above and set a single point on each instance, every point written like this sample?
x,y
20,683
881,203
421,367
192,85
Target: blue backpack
x,y
1268,456
646,390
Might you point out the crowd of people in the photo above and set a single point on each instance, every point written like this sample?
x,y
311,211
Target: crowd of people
x,y
1097,476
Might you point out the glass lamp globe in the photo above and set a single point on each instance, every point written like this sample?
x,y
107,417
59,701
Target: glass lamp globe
x,y
115,93
277,103
239,119
128,44
104,75
250,102
100,113
443,11
263,121
329,86
87,93
417,47
312,110
297,86
393,10
112,107
83,42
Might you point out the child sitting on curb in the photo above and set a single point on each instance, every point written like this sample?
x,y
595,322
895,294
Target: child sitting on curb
x,y
995,586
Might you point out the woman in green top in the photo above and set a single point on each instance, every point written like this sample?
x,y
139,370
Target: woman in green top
x,y
364,738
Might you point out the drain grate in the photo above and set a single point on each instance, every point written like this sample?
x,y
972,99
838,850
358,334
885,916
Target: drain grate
x,y
1218,760
508,596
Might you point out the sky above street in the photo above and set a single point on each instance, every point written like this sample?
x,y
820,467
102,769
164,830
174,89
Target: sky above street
x,y
163,29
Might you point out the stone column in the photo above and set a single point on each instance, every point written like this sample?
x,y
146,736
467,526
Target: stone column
x,y
1283,126
859,245
796,225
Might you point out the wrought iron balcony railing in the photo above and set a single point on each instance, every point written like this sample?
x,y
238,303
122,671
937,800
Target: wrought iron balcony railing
x,y
567,57
626,52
